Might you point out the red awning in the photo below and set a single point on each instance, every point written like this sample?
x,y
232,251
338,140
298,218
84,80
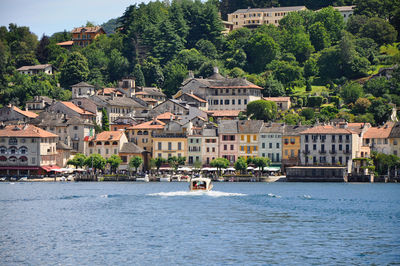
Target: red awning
x,y
49,168
19,168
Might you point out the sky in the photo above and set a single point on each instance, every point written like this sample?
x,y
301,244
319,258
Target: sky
x,y
50,16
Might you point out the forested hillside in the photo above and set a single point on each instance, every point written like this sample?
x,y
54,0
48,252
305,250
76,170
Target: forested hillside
x,y
310,54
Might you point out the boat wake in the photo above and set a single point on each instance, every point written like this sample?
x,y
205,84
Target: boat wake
x,y
273,195
197,193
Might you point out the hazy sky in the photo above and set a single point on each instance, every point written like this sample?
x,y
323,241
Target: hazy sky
x,y
49,16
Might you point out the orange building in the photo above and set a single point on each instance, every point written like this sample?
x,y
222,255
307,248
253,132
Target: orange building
x,y
83,36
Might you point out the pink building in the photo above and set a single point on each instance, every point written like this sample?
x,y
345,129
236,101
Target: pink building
x,y
228,140
210,145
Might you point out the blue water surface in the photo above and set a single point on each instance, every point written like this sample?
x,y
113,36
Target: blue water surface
x,y
164,224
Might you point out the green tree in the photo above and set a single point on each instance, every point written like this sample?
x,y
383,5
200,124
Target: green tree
x,y
42,50
361,105
136,162
174,162
261,49
78,161
241,165
332,21
114,162
95,161
174,75
311,66
379,30
261,162
377,86
351,92
287,73
75,70
381,111
262,110
105,124
159,162
139,77
273,87
319,36
220,163
207,48
307,113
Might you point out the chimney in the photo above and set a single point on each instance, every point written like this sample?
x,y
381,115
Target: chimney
x,y
191,74
216,70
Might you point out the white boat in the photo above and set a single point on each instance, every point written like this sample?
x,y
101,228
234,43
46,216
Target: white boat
x,y
200,183
166,178
145,178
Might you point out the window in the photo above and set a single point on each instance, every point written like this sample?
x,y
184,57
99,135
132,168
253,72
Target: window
x,y
98,151
159,155
263,145
169,146
75,127
314,147
225,147
277,145
221,102
12,141
255,137
340,147
226,102
233,102
33,160
106,151
395,142
115,151
231,147
270,145
306,138
179,146
213,149
208,149
239,101
159,145
245,101
242,148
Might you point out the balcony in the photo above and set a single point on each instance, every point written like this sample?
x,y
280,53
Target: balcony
x,y
347,151
75,139
322,151
347,141
332,152
306,152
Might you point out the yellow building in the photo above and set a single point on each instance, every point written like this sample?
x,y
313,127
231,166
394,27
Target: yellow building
x,y
394,139
142,134
169,145
249,131
291,145
254,17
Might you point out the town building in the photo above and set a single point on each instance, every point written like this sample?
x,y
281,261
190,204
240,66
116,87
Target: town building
x,y
194,100
91,106
283,103
248,132
130,150
37,69
82,90
172,141
377,138
12,113
26,150
221,93
142,134
194,148
210,143
70,109
291,145
150,94
106,143
270,142
394,139
39,103
254,17
345,11
228,140
64,153
219,115
83,36
123,123
331,145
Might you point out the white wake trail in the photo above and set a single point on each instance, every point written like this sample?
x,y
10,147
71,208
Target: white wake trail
x,y
197,193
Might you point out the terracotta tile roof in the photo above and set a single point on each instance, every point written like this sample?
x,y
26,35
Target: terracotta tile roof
x,y
25,131
277,99
109,135
381,132
153,124
141,93
196,97
88,29
149,100
67,43
77,109
223,113
165,116
25,113
327,129
108,91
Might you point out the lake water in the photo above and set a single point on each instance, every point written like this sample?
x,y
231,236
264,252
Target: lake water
x,y
163,224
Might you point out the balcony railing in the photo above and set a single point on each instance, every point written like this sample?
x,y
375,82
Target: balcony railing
x,y
346,151
322,151
306,152
332,151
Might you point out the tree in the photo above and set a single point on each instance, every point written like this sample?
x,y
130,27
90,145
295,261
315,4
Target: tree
x,y
319,37
381,111
377,86
136,162
42,50
332,21
262,110
273,87
207,48
114,162
351,92
95,161
174,162
288,73
241,165
159,161
307,113
299,44
261,162
75,70
361,105
139,77
78,161
311,66
105,125
261,49
118,66
220,163
174,75
379,30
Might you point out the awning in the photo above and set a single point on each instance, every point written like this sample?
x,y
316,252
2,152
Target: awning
x,y
186,169
49,168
